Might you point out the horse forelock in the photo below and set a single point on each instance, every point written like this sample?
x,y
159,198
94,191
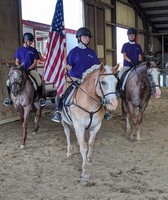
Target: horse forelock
x,y
88,71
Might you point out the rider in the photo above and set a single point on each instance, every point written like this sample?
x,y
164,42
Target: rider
x,y
26,57
79,60
132,51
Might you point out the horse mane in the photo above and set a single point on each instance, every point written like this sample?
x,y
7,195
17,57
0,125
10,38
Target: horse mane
x,y
88,71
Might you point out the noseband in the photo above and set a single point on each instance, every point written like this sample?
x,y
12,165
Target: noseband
x,y
104,101
16,82
151,86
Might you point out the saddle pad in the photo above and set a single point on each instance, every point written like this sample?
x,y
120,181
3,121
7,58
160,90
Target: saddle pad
x,y
125,77
68,95
34,82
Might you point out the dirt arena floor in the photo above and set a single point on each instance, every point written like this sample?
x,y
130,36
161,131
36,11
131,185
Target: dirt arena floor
x,y
121,169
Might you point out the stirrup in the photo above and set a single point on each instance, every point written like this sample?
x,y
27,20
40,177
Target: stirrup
x,y
56,116
7,102
108,116
42,102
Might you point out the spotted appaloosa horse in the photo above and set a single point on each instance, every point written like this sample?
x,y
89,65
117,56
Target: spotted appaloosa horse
x,y
142,81
24,99
86,109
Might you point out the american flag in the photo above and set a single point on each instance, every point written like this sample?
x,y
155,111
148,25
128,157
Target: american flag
x,y
54,68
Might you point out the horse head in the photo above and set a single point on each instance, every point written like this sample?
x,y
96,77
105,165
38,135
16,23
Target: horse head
x,y
16,79
153,76
106,86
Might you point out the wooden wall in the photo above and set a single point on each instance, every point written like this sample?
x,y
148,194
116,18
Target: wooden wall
x,y
10,40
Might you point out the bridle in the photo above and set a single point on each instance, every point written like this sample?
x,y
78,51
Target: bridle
x,y
151,86
16,82
154,85
102,103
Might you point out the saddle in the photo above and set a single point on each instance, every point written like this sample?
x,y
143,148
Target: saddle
x,y
35,85
68,99
123,80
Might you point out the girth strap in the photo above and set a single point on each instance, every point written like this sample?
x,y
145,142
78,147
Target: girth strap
x,y
90,113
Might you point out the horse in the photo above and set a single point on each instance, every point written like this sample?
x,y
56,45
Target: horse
x,y
24,98
142,81
86,109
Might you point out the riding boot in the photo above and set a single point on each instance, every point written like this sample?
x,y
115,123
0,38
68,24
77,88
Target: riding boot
x,y
41,99
57,115
118,88
8,100
107,115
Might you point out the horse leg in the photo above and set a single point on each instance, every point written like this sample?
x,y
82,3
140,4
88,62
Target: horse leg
x,y
123,108
91,143
128,125
83,150
36,120
24,127
67,132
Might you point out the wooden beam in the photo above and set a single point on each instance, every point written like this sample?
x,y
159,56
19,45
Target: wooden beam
x,y
155,8
160,22
150,1
158,15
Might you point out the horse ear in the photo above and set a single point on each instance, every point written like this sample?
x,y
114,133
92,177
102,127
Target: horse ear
x,y
101,67
115,69
158,63
148,64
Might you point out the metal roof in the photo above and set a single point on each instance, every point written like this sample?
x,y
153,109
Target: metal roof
x,y
155,12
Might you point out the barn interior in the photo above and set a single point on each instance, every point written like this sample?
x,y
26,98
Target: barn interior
x,y
102,17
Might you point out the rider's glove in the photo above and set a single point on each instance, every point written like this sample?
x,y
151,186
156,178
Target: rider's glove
x,y
133,64
27,71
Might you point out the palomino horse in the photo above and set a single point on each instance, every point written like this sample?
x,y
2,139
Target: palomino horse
x,y
142,81
86,109
24,99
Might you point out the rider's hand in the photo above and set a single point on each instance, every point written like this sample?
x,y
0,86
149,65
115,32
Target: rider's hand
x,y
27,71
133,64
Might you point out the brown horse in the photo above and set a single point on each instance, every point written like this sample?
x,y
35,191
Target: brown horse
x,y
24,99
86,109
142,81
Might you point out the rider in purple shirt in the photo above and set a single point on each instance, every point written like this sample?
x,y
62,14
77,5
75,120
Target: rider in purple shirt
x,y
79,60
26,58
132,52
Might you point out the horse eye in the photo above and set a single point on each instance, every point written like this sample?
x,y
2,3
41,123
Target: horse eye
x,y
103,83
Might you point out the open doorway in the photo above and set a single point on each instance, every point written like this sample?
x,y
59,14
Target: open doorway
x,y
38,20
121,39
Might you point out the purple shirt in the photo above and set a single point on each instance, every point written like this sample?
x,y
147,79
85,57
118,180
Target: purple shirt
x,y
26,56
132,51
80,60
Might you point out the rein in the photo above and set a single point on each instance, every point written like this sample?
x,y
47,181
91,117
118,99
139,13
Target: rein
x,y
151,86
102,103
78,86
16,82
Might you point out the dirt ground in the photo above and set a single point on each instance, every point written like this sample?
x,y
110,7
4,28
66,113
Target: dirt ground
x,y
121,169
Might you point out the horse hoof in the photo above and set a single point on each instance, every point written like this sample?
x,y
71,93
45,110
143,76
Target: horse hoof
x,y
138,138
22,146
69,154
89,162
85,177
34,133
132,138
